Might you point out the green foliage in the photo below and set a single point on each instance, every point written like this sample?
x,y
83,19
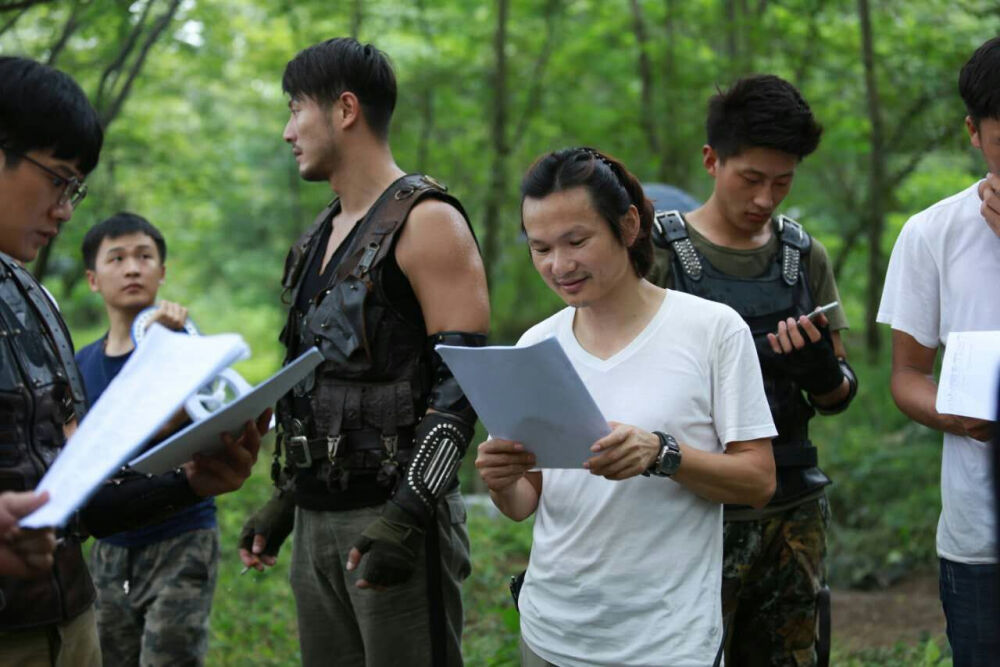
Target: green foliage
x,y
884,499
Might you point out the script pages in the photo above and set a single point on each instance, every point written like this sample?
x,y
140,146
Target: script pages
x,y
969,375
531,395
154,383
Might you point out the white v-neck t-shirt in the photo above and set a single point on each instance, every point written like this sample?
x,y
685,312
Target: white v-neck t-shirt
x,y
629,572
943,276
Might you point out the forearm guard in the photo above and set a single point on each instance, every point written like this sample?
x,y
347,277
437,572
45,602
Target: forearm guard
x,y
442,437
852,380
131,500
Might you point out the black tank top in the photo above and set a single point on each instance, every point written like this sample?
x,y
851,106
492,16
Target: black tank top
x,y
394,282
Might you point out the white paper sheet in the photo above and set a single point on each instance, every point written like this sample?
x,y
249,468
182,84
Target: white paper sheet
x,y
162,372
968,383
532,395
203,436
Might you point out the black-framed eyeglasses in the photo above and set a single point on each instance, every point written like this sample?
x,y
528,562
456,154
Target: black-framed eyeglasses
x,y
74,190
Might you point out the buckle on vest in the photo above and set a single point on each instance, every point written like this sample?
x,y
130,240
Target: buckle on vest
x,y
298,451
391,445
332,445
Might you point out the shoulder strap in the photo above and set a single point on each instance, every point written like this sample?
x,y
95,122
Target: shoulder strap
x,y
54,326
795,244
300,253
669,230
374,240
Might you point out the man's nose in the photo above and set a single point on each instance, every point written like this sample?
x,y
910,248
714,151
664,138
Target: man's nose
x,y
764,198
563,262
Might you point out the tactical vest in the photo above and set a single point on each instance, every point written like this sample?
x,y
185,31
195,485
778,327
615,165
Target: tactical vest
x,y
40,391
355,416
782,291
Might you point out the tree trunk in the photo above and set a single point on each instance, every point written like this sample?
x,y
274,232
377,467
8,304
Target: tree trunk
x,y
875,213
427,93
501,149
647,106
671,168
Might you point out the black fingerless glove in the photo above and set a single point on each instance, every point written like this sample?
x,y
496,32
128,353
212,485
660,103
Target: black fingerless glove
x,y
390,546
274,521
814,367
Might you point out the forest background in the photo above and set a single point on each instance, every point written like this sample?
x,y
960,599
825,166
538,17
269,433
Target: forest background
x,y
189,93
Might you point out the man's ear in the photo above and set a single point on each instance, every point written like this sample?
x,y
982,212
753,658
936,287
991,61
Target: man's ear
x,y
710,160
970,125
92,280
630,225
163,273
348,111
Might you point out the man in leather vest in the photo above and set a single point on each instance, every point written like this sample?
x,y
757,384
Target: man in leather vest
x,y
373,440
50,139
735,250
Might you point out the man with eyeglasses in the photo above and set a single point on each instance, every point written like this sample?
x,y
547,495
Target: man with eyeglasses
x,y
50,138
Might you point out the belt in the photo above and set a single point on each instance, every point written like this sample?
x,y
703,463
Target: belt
x,y
795,455
303,452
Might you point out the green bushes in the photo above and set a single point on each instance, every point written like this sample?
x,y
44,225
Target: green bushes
x,y
885,495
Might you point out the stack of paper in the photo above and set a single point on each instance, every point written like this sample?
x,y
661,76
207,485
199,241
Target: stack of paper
x,y
969,376
531,395
151,387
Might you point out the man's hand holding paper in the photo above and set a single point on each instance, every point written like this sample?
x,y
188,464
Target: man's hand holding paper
x,y
625,452
226,471
502,462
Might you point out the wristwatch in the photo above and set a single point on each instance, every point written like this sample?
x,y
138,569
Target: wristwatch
x,y
668,459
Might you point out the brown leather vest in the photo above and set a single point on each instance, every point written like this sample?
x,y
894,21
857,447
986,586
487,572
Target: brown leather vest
x,y
40,390
376,374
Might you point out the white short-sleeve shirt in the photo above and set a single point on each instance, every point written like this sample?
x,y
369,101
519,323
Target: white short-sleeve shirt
x,y
629,572
943,276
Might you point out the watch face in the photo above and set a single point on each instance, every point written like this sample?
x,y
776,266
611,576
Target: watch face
x,y
670,459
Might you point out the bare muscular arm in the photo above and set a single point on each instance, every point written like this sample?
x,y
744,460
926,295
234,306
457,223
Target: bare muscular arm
x,y
438,254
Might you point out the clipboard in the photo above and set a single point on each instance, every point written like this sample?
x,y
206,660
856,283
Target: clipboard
x,y
204,436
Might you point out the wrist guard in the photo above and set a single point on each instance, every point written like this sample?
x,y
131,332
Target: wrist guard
x,y
852,380
132,500
443,435
274,521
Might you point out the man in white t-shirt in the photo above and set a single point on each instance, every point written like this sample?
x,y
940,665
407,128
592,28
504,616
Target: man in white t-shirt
x,y
626,560
942,277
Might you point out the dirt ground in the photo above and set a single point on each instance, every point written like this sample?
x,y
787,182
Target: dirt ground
x,y
903,612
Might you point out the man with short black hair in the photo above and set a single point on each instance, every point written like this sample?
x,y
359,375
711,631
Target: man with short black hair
x,y
373,441
155,583
50,139
736,250
941,278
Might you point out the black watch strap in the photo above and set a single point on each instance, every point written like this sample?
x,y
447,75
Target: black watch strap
x,y
668,459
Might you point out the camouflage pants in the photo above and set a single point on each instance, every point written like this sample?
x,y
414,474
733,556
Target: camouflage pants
x,y
162,619
772,571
